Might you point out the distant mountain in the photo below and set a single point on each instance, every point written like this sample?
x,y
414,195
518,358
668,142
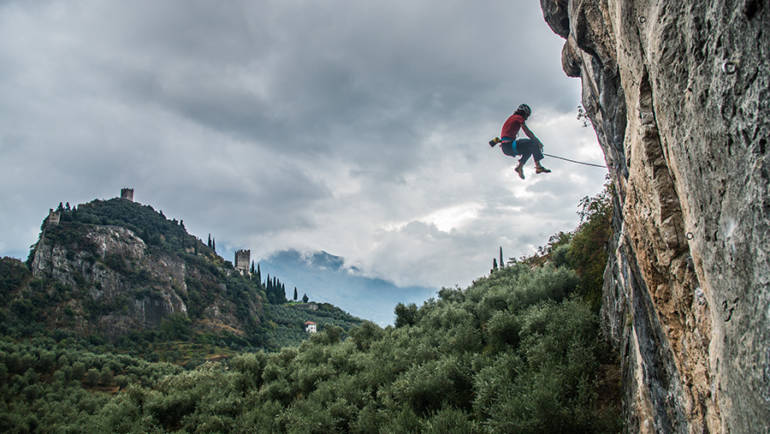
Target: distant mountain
x,y
324,277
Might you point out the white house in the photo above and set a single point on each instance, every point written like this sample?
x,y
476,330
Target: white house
x,y
310,327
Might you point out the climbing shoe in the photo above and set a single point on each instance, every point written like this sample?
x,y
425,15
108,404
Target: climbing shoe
x,y
494,141
520,171
541,169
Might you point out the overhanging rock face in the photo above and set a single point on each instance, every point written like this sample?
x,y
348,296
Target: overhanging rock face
x,y
679,96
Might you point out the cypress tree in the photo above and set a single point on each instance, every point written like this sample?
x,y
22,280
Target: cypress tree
x,y
295,293
502,264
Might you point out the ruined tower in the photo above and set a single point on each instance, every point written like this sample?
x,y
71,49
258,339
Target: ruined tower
x,y
127,193
242,261
53,217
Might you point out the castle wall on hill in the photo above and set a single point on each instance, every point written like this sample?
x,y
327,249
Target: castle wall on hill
x,y
242,261
53,217
127,193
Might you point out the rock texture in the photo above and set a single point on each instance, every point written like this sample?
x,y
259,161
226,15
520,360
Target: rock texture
x,y
116,284
679,96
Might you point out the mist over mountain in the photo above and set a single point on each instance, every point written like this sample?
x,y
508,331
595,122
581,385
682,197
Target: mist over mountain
x,y
325,277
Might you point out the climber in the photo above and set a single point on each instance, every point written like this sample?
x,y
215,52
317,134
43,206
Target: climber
x,y
524,147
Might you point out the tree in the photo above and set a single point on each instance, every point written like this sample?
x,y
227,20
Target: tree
x,y
405,315
494,265
305,298
106,376
295,293
209,242
502,263
588,249
78,370
92,377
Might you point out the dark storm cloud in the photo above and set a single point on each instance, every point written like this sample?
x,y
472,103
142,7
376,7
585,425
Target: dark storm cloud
x,y
286,124
323,77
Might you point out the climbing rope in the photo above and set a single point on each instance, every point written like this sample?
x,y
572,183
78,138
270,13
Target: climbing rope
x,y
497,140
574,161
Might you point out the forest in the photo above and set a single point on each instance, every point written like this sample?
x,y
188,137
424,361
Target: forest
x,y
519,350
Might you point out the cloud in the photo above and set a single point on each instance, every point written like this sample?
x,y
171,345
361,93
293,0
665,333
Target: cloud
x,y
351,127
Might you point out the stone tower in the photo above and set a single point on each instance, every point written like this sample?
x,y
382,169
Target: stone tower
x,y
53,217
127,193
242,261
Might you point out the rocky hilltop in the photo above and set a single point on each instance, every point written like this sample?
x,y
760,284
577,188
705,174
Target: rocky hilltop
x,y
119,274
679,96
117,266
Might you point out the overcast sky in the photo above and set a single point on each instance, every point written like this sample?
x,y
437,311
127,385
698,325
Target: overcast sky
x,y
356,127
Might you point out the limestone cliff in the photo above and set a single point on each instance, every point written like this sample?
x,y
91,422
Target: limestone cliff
x,y
143,302
116,267
679,96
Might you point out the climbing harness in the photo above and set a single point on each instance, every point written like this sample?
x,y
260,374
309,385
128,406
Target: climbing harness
x,y
497,140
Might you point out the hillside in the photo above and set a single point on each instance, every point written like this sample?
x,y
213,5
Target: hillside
x,y
517,351
120,273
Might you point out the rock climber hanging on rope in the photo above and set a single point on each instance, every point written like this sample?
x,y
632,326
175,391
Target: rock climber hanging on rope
x,y
524,147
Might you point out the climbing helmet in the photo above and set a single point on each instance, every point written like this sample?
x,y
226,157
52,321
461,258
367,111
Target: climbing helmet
x,y
525,108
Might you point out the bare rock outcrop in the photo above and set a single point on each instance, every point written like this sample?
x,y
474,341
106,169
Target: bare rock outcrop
x,y
105,279
679,96
114,266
